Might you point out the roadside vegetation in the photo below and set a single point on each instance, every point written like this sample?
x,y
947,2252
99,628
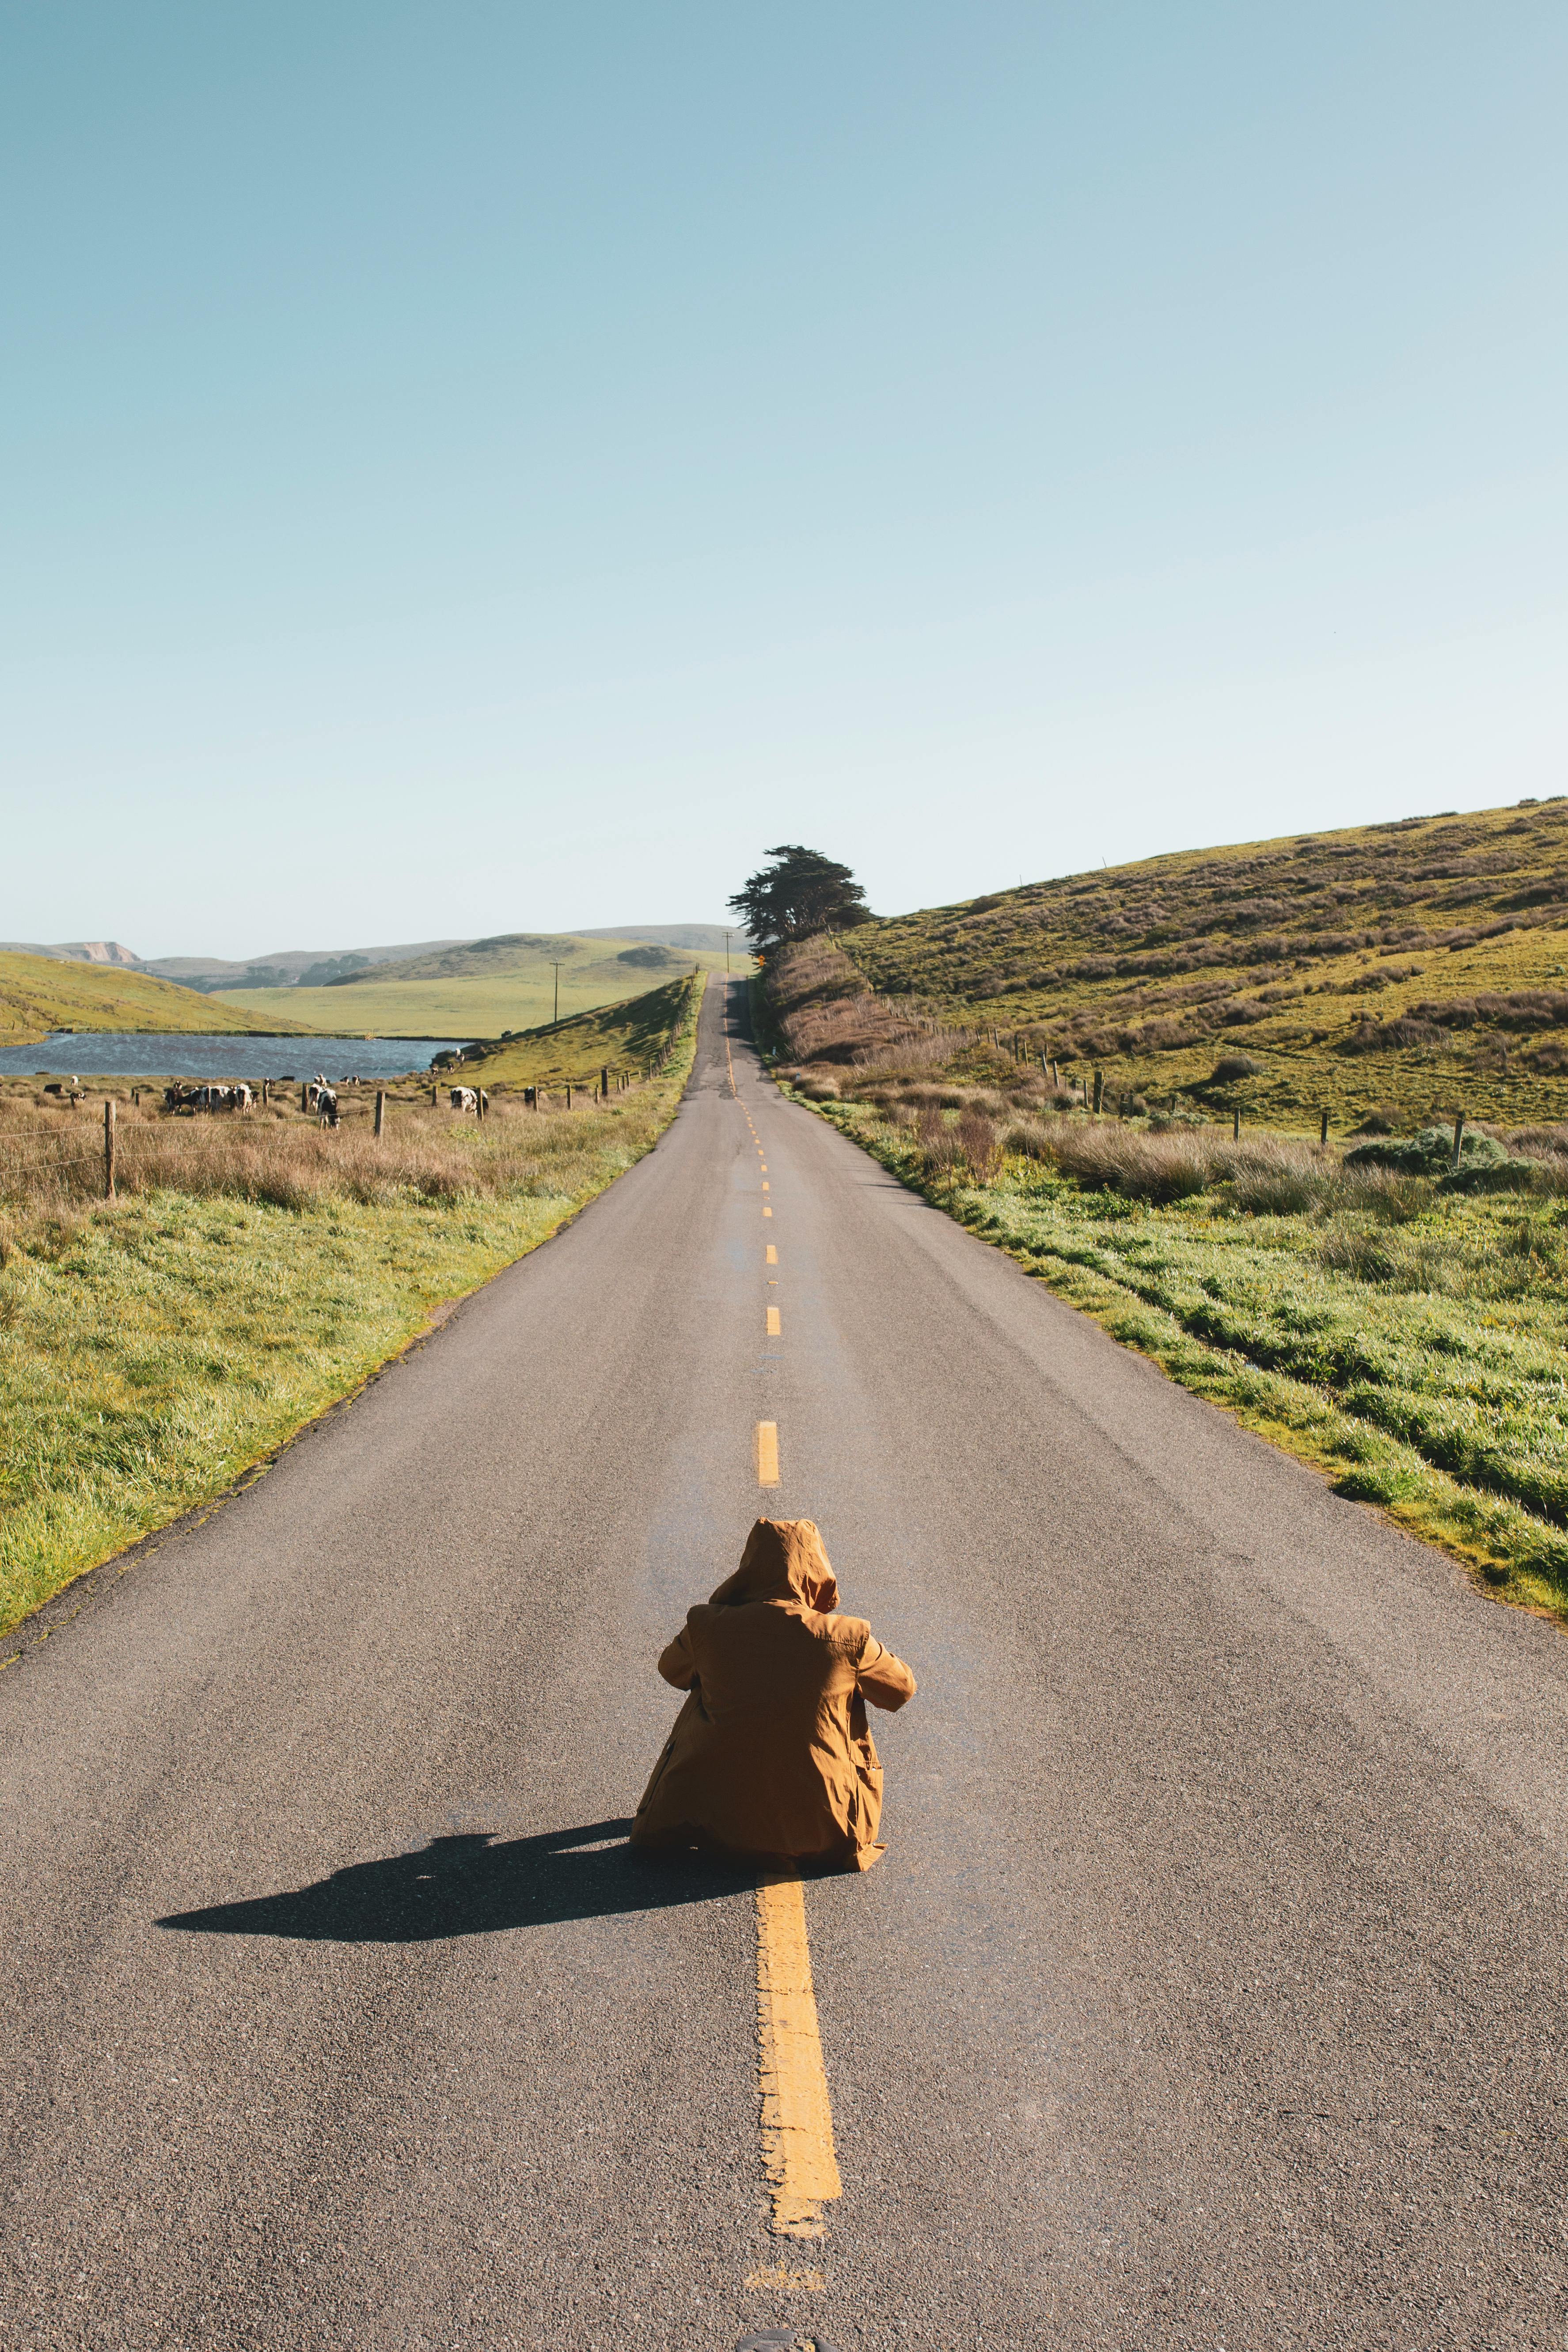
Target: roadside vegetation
x,y
41,994
1377,1311
253,1268
1410,969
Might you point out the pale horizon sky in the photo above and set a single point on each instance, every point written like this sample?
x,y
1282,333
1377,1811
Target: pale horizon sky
x,y
490,468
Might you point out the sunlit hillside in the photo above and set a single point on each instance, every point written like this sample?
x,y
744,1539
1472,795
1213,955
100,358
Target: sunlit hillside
x,y
1420,965
484,987
39,995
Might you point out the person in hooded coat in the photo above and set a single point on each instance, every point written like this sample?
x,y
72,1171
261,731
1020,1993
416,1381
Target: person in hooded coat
x,y
771,1754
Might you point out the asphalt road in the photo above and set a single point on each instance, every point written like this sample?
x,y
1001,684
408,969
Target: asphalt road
x,y
1212,1990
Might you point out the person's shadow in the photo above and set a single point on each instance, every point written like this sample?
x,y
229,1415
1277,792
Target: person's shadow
x,y
472,1885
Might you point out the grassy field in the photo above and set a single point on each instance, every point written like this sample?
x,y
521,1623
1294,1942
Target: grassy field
x,y
253,1270
1416,968
481,990
1404,1330
40,994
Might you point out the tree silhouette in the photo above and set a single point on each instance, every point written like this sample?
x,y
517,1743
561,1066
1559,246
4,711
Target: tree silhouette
x,y
801,892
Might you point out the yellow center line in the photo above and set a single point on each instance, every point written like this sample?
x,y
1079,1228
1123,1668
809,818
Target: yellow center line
x,y
767,1188
773,1255
767,1454
767,1212
772,1323
797,2117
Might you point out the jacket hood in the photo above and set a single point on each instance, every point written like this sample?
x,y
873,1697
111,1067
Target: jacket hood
x,y
783,1560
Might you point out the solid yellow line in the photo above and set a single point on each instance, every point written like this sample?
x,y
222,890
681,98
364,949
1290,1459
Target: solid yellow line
x,y
773,1322
773,1255
767,1454
797,2119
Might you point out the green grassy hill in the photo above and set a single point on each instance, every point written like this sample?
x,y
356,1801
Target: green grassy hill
x,y
625,1037
1419,967
483,987
41,994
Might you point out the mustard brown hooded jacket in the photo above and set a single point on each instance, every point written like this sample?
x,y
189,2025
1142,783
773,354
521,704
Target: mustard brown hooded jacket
x,y
771,1754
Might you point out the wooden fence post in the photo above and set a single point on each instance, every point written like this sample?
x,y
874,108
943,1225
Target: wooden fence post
x,y
109,1148
1458,1139
568,1094
1099,1090
1235,1124
1323,1128
604,1083
380,1109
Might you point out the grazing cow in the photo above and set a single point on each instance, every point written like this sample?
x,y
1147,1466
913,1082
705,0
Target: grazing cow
x,y
242,1097
326,1106
463,1098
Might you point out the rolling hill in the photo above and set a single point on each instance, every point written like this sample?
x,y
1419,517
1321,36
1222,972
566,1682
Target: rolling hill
x,y
482,988
42,994
1420,965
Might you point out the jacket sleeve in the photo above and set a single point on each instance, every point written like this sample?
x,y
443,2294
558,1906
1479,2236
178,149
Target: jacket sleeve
x,y
885,1680
677,1664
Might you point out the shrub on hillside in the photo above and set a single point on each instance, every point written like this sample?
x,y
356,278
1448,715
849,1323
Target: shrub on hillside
x,y
1503,1175
1233,1066
1429,1153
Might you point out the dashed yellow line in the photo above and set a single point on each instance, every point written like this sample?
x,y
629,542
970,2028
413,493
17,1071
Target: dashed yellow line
x,y
773,1255
797,2119
772,1323
767,1212
767,1454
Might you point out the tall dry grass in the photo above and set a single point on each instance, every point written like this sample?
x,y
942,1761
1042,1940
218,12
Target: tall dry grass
x,y
51,1162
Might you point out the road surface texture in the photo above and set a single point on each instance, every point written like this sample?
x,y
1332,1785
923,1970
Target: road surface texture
x,y
1211,1992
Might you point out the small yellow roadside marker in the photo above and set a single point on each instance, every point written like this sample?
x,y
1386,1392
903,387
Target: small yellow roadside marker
x,y
773,1322
767,1454
773,1255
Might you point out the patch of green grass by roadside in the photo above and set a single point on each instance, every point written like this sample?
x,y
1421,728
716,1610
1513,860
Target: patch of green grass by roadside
x,y
1410,1344
254,1272
39,995
626,1038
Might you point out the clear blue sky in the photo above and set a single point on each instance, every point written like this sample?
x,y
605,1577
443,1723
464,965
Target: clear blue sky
x,y
472,467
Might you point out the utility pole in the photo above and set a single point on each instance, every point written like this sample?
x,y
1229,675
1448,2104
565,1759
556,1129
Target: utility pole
x,y
728,937
556,968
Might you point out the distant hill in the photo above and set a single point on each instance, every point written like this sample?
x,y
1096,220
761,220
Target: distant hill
x,y
323,967
1418,963
670,935
288,967
485,988
40,994
74,952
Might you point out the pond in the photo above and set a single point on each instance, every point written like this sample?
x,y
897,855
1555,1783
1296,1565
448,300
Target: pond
x,y
126,1054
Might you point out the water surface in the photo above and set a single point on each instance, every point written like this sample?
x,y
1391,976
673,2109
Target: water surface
x,y
129,1053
